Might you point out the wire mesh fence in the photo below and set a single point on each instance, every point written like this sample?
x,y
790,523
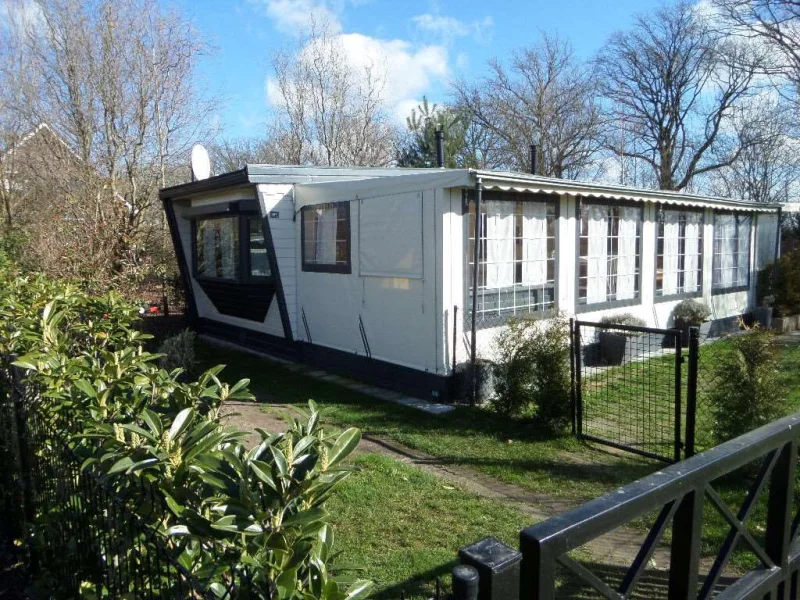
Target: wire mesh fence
x,y
627,386
81,535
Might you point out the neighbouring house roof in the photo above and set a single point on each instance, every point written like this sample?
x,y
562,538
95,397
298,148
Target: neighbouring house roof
x,y
329,184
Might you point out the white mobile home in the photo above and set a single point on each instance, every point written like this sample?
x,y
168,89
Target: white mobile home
x,y
369,272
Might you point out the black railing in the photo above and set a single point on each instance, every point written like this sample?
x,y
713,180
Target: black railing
x,y
756,472
81,534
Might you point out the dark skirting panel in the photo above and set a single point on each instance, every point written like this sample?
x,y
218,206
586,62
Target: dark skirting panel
x,y
247,338
413,382
244,300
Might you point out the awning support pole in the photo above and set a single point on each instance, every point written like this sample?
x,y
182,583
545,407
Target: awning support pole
x,y
475,259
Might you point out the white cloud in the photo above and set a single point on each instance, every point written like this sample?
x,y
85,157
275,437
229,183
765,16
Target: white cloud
x,y
295,17
407,72
20,15
448,28
439,24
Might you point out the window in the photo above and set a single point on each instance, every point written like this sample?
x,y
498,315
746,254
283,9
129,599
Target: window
x,y
516,265
731,251
326,237
679,262
257,249
609,253
217,248
230,247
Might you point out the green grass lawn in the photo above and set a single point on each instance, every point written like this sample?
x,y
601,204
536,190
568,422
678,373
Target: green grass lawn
x,y
405,526
401,523
634,403
513,451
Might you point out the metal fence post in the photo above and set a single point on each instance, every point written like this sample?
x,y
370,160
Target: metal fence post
x,y
572,376
578,385
465,583
691,391
685,549
678,449
26,475
780,507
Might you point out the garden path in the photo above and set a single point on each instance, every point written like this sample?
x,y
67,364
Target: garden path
x,y
618,548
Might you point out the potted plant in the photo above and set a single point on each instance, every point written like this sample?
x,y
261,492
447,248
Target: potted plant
x,y
763,314
484,373
615,344
691,313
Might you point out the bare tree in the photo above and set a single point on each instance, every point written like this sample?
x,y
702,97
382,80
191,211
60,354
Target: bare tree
x,y
676,82
544,93
777,24
231,154
769,165
329,112
114,81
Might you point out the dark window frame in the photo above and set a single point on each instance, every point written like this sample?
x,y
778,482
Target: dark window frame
x,y
344,268
488,318
660,297
716,289
582,305
242,222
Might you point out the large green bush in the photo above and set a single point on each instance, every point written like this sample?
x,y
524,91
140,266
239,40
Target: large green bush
x,y
531,373
781,280
747,392
146,434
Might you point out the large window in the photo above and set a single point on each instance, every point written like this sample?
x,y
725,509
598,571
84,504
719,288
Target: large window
x,y
230,247
609,258
326,237
731,251
516,265
679,262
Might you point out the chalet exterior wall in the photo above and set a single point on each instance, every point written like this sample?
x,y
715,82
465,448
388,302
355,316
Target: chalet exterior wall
x,y
404,318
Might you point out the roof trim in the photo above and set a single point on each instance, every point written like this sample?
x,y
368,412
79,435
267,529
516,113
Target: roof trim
x,y
340,183
493,180
226,180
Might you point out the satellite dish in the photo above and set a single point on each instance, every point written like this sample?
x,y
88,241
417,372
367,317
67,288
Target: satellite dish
x,y
200,163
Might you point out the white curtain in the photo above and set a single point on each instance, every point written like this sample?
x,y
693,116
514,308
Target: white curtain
x,y
725,237
325,251
499,244
669,283
691,265
597,259
626,261
228,247
743,250
209,253
534,243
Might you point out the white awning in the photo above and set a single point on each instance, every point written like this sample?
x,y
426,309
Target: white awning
x,y
369,187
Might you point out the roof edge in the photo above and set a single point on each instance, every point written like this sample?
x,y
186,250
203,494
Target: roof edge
x,y
205,185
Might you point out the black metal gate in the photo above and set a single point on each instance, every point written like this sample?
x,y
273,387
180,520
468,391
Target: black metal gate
x,y
626,387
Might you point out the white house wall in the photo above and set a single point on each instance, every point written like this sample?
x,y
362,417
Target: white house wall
x,y
399,314
654,312
277,204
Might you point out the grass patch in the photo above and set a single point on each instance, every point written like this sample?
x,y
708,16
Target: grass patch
x,y
511,450
634,403
404,526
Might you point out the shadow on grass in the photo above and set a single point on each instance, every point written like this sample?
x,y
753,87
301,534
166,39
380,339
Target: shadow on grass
x,y
514,449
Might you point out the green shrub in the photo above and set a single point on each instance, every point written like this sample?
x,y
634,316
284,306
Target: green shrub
x,y
531,373
781,281
178,353
148,436
747,392
627,319
691,311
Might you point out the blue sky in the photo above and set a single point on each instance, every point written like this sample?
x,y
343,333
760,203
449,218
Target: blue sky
x,y
425,43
